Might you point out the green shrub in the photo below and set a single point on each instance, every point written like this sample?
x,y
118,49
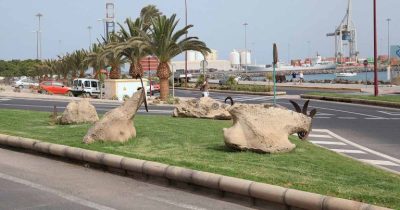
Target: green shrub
x,y
200,80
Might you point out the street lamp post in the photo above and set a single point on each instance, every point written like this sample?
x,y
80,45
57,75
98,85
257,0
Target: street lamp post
x,y
186,54
388,67
90,36
376,92
245,45
39,38
104,25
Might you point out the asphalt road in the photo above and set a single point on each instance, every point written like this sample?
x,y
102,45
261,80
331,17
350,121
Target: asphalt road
x,y
33,182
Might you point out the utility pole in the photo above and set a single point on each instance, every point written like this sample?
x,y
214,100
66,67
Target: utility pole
x,y
375,54
388,67
245,45
90,36
39,39
186,54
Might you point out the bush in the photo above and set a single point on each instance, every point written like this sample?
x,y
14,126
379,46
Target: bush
x,y
200,80
172,100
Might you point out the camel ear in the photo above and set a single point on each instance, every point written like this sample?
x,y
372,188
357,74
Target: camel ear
x,y
296,106
313,112
144,93
305,107
229,98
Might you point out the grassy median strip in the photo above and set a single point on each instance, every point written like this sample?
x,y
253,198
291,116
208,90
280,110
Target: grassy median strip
x,y
386,98
198,144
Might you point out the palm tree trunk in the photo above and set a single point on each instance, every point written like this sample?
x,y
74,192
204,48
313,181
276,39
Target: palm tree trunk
x,y
114,73
136,70
81,73
163,73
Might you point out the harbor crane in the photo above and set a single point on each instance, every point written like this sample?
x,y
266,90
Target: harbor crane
x,y
346,36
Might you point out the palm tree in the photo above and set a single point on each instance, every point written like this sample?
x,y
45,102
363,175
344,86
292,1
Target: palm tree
x,y
148,13
93,59
112,57
130,46
166,42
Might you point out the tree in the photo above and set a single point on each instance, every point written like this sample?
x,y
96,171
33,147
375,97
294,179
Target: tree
x,y
131,47
165,42
112,57
93,59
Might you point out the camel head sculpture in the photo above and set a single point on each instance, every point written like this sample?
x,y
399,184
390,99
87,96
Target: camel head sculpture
x,y
304,135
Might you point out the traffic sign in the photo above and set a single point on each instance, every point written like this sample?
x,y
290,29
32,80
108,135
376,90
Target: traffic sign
x,y
365,63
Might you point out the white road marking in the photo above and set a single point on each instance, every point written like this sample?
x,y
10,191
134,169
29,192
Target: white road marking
x,y
375,118
390,113
359,146
29,105
328,143
71,198
337,110
4,99
322,117
379,162
324,114
320,136
347,118
349,151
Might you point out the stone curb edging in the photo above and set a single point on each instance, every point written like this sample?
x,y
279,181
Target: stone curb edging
x,y
278,93
353,100
254,190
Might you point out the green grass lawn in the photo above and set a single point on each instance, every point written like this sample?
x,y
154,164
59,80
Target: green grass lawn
x,y
388,98
198,144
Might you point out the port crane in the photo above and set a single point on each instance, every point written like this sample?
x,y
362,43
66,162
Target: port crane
x,y
346,36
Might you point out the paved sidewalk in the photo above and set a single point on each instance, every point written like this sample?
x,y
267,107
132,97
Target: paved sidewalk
x,y
384,89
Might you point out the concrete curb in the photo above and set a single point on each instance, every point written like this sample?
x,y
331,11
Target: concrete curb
x,y
279,93
353,100
270,195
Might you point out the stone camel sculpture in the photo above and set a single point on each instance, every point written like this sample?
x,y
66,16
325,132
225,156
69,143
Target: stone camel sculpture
x,y
265,128
117,124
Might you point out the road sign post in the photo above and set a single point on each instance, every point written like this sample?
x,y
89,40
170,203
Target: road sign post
x,y
204,65
366,72
275,53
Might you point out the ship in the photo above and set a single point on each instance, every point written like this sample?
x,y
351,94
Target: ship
x,y
316,64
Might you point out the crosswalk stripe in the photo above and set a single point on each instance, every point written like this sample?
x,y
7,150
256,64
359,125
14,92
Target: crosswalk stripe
x,y
349,151
4,99
322,117
320,136
328,143
347,118
380,162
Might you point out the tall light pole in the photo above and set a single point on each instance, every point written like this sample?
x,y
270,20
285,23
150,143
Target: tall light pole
x,y
245,44
90,36
186,54
375,54
103,21
388,40
388,20
39,39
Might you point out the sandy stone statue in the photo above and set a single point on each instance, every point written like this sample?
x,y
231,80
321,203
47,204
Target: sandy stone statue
x,y
205,107
78,112
265,128
117,124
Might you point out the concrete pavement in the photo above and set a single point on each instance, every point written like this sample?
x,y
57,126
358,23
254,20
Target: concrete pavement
x,y
68,186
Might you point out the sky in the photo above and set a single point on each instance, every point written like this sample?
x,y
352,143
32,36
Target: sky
x,y
299,27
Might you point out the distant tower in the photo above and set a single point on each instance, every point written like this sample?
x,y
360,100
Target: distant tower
x,y
110,18
346,35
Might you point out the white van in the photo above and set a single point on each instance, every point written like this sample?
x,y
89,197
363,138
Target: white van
x,y
85,87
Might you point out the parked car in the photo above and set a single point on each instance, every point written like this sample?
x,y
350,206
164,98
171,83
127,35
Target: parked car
x,y
155,87
53,87
25,82
85,87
